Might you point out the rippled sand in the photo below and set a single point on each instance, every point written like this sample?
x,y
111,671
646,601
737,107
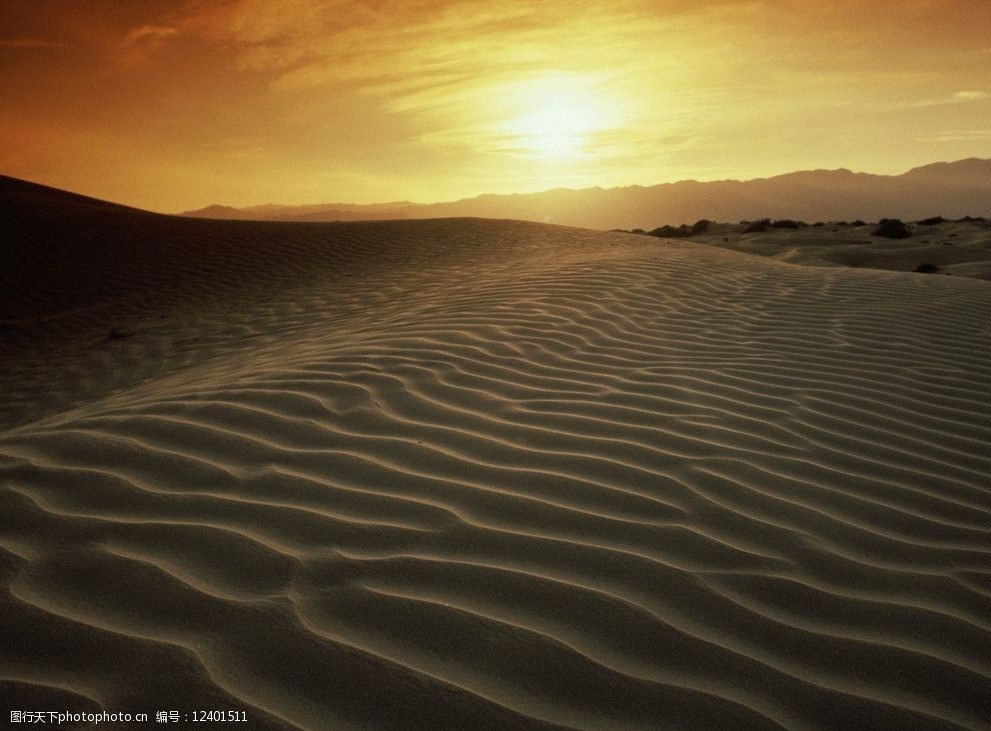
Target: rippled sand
x,y
485,474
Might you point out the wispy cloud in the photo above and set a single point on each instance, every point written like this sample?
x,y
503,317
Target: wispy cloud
x,y
960,97
969,96
459,73
139,43
960,135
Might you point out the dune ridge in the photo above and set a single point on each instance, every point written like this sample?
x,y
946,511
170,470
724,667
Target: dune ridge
x,y
488,474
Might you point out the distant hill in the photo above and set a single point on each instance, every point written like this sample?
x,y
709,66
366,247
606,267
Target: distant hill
x,y
951,189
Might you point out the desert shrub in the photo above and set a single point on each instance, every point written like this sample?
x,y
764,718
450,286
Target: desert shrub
x,y
786,223
934,221
758,226
972,218
927,268
638,231
858,222
681,232
891,228
818,224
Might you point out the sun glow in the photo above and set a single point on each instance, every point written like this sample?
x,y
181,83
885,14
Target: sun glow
x,y
559,116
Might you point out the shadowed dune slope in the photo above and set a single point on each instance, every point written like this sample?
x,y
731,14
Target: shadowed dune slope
x,y
486,474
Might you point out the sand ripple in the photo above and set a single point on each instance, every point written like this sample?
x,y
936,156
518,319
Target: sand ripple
x,y
467,474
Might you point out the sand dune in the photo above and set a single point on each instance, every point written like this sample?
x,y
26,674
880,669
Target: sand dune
x,y
486,474
955,248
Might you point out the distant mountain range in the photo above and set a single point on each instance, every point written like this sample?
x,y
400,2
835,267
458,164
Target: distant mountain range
x,y
950,189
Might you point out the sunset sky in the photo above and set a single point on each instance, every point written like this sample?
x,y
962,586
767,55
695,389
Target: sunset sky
x,y
174,105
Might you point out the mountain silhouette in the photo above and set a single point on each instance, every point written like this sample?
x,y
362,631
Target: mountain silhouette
x,y
952,189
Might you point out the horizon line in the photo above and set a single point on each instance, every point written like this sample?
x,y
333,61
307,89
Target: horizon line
x,y
502,195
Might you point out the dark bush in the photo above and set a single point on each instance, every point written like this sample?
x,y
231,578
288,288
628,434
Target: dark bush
x,y
681,232
670,232
973,218
858,222
818,224
786,223
638,231
758,226
934,221
927,268
891,228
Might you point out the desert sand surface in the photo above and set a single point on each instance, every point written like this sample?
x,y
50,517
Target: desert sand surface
x,y
485,474
959,248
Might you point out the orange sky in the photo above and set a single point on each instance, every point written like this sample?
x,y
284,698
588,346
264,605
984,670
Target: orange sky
x,y
175,105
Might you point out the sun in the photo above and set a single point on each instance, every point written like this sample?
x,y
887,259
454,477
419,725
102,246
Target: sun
x,y
558,116
554,130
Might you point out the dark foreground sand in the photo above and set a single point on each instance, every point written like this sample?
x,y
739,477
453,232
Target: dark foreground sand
x,y
485,474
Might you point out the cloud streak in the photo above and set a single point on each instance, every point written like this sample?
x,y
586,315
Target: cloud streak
x,y
454,71
143,41
960,97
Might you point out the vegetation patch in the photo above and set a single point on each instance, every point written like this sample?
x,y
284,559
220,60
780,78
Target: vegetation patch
x,y
892,228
